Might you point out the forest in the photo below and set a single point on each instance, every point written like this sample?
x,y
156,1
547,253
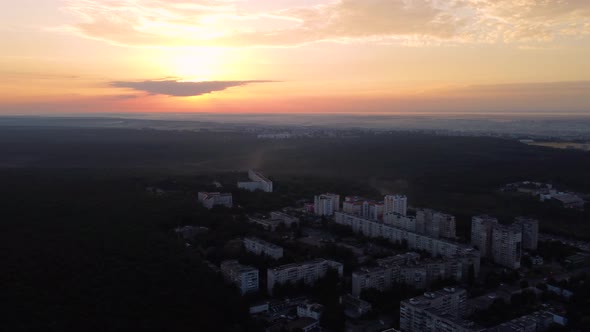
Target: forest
x,y
84,240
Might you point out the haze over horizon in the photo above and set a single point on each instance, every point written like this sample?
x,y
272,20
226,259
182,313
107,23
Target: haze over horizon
x,y
478,58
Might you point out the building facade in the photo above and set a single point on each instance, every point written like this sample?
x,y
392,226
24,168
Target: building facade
x,y
406,269
287,219
363,207
530,232
261,247
434,246
211,199
419,314
257,182
308,272
244,277
481,234
507,245
396,204
436,224
326,204
311,310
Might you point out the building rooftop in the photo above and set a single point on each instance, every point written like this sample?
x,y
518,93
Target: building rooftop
x,y
262,177
213,194
297,265
458,321
424,301
300,324
567,198
263,243
234,265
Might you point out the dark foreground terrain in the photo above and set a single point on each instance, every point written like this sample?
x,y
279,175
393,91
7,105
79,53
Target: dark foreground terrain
x,y
82,239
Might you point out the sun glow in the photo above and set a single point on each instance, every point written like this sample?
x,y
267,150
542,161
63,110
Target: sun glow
x,y
196,64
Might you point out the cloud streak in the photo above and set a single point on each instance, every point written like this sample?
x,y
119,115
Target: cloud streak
x,y
234,24
182,89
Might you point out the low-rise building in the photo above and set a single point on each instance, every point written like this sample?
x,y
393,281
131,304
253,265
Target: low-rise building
x,y
537,260
189,232
537,321
270,224
211,199
578,260
287,219
261,247
354,307
259,308
304,324
310,310
308,272
257,182
243,276
569,200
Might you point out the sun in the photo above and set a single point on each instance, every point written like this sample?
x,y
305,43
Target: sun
x,y
197,64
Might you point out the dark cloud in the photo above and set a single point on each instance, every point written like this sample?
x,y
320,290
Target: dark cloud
x,y
182,89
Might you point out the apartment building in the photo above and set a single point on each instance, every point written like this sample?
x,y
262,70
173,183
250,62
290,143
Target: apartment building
x,y
419,314
530,232
400,221
434,246
396,204
257,182
287,219
211,199
363,207
326,204
507,245
427,222
481,233
406,269
308,272
243,276
261,247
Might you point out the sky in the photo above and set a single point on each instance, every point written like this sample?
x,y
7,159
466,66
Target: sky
x,y
479,57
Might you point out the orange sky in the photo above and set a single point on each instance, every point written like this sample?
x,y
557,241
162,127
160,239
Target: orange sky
x,y
305,56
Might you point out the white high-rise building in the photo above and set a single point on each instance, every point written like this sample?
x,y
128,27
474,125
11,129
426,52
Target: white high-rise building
x,y
435,246
530,232
309,272
353,205
396,204
399,221
363,207
507,245
481,233
243,276
326,204
435,223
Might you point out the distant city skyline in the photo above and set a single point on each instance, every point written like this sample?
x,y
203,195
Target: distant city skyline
x,y
402,57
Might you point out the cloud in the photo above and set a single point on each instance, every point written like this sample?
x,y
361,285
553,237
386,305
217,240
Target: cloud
x,y
181,89
235,24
